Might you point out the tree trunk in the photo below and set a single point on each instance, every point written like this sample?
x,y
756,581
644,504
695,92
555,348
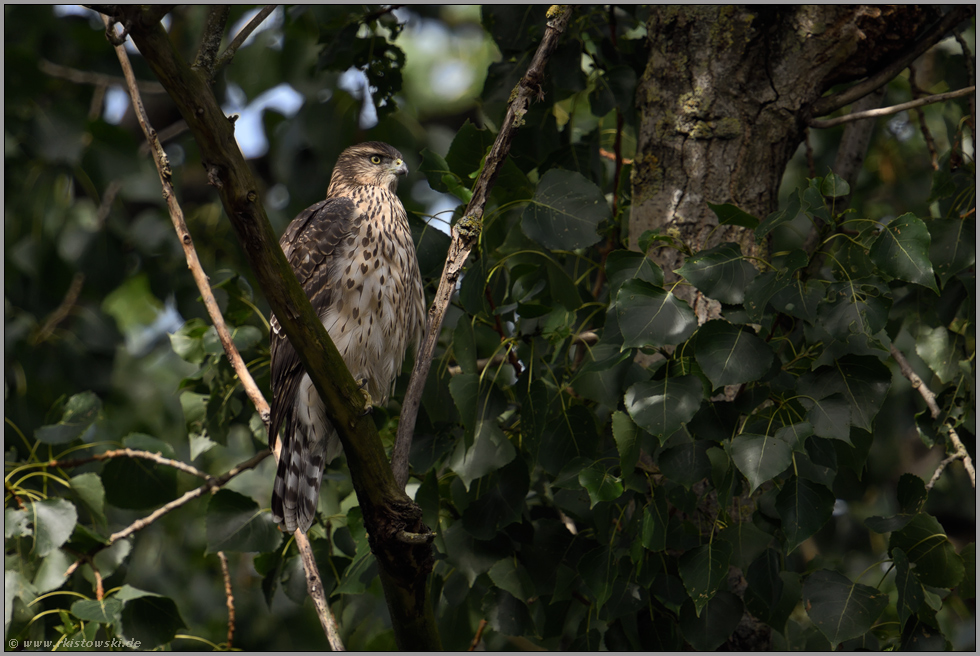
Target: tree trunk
x,y
725,99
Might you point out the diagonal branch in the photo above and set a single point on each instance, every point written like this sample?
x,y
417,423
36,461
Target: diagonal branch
x,y
828,104
225,58
177,217
467,231
133,453
959,450
214,29
894,109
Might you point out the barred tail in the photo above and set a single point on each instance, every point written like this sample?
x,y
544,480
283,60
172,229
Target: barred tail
x,y
296,490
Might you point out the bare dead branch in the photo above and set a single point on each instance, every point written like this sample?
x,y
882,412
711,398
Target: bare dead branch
x,y
63,309
315,587
184,235
229,597
466,232
894,109
98,79
133,453
829,104
959,451
214,29
225,57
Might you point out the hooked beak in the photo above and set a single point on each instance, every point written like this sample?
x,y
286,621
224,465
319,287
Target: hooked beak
x,y
398,167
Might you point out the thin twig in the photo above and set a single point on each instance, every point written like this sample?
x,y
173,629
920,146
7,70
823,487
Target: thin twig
x,y
190,495
108,198
466,234
229,597
225,57
193,263
133,453
63,309
98,79
315,587
959,451
894,109
478,637
921,115
829,104
214,28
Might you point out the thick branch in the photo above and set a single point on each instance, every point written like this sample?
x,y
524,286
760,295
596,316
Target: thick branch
x,y
894,109
829,104
959,451
466,233
239,39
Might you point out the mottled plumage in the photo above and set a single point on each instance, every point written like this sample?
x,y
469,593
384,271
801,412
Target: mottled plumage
x,y
354,256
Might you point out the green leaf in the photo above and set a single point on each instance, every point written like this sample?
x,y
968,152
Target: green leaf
x,y
730,355
717,620
765,587
435,168
834,186
653,529
793,207
924,541
650,317
721,273
748,542
52,572
729,214
936,349
80,413
54,520
862,382
888,524
623,265
106,611
968,586
149,620
137,484
953,246
842,610
760,458
600,484
661,407
625,433
803,507
565,211
471,556
89,489
510,575
686,463
568,435
16,523
799,299
910,592
902,251
911,493
132,304
501,502
598,570
236,523
505,613
490,450
464,345
703,570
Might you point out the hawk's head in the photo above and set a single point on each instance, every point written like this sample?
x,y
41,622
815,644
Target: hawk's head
x,y
370,163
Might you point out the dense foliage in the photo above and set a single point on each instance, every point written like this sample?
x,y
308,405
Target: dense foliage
x,y
603,468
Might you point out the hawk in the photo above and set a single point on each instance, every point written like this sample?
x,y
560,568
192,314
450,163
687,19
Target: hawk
x,y
354,256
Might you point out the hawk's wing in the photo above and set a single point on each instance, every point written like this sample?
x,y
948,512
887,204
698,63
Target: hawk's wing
x,y
312,245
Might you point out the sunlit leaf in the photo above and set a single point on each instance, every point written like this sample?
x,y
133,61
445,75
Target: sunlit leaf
x,y
662,406
80,413
54,520
650,317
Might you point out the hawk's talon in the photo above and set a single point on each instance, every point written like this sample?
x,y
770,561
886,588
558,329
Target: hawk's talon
x,y
368,401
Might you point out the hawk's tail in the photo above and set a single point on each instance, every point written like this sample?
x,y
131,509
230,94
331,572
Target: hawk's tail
x,y
297,488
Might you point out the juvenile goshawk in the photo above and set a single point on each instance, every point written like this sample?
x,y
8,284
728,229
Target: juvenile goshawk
x,y
354,256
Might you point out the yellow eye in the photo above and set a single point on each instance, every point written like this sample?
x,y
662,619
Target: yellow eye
x,y
375,159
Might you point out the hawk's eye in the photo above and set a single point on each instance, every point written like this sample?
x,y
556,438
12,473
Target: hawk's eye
x,y
375,159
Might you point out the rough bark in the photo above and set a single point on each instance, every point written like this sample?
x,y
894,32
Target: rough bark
x,y
726,97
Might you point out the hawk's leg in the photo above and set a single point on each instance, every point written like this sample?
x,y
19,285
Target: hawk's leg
x,y
368,401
